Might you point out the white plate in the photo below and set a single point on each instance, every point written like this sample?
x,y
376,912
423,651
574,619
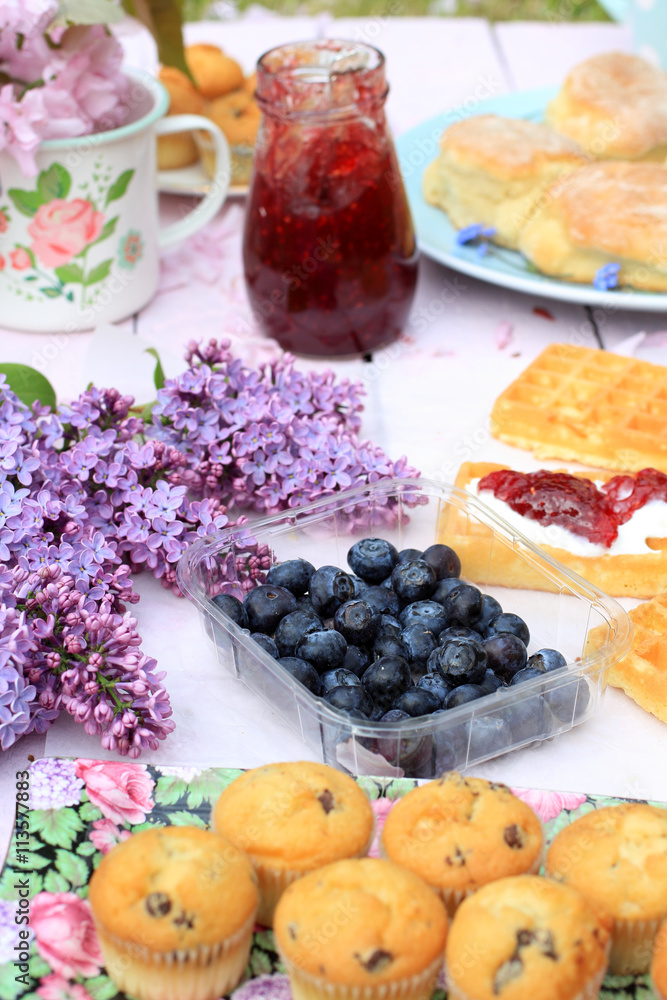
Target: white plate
x,y
192,180
437,237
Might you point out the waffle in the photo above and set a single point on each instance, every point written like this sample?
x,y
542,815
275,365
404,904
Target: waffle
x,y
619,575
587,406
642,673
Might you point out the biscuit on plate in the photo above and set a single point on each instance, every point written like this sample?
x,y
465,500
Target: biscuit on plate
x,y
493,170
615,106
609,212
179,149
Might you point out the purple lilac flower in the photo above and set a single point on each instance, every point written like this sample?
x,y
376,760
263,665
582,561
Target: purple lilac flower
x,y
9,931
54,784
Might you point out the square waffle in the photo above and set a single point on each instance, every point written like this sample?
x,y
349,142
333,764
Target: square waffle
x,y
642,673
587,406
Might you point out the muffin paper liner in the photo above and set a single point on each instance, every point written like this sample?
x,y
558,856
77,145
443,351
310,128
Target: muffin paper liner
x,y
203,973
306,986
632,946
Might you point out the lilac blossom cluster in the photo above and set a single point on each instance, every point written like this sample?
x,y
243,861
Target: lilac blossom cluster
x,y
92,493
270,439
57,82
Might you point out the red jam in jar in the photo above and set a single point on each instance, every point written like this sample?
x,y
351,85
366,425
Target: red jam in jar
x,y
329,249
576,503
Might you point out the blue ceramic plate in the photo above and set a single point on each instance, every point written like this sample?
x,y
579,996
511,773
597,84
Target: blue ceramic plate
x,y
437,237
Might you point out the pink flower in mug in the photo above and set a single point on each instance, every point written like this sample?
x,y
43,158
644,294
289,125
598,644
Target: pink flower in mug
x,y
62,229
4,222
20,259
105,835
122,791
548,805
381,808
54,987
65,934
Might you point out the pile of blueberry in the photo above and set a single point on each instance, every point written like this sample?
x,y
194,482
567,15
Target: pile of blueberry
x,y
402,636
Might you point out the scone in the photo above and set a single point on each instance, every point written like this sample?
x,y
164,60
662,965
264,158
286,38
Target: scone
x,y
174,908
214,72
615,106
237,115
633,565
292,818
361,930
459,833
659,964
525,938
617,858
178,150
494,171
606,213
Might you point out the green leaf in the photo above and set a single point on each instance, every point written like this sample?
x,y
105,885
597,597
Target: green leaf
x,y
108,230
87,12
38,967
158,374
9,988
54,183
51,293
58,827
147,412
27,202
169,790
29,384
86,849
208,785
69,273
55,882
99,273
88,811
164,20
34,862
101,988
119,186
74,869
184,818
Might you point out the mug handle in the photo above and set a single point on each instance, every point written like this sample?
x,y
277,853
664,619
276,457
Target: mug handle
x,y
211,202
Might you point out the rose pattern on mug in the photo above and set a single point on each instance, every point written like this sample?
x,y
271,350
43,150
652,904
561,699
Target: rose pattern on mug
x,y
65,225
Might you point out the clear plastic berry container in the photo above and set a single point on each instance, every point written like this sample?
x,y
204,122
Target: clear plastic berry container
x,y
415,513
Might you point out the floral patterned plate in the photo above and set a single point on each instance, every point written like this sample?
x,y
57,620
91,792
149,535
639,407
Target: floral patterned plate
x,y
79,809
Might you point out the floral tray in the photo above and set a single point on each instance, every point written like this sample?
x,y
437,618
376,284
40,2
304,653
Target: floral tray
x,y
79,809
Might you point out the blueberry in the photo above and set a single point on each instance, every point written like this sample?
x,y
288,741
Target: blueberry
x,y
463,605
372,559
358,622
432,662
435,684
444,561
428,613
398,748
384,600
462,661
386,583
233,608
324,649
569,701
359,585
489,735
267,644
304,604
550,659
508,624
356,660
419,642
390,625
490,609
527,719
386,679
293,574
463,694
417,701
292,629
457,632
505,655
329,588
446,753
377,711
348,698
409,555
390,645
443,588
266,605
526,674
413,581
338,678
491,683
303,672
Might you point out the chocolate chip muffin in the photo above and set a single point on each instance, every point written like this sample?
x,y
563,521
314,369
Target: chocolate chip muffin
x,y
290,819
526,938
617,858
362,928
460,833
174,909
659,964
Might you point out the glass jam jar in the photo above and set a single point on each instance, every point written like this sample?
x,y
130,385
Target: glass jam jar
x,y
329,248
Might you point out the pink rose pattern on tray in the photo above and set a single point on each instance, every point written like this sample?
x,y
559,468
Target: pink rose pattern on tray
x,y
63,230
76,826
